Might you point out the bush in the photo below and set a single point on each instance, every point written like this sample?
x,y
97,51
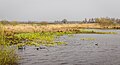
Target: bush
x,y
104,21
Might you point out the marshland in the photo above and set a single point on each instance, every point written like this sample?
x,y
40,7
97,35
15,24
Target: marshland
x,y
43,43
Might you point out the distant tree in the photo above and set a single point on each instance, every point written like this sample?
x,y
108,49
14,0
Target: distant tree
x,y
92,20
64,21
85,20
56,21
104,21
4,22
89,21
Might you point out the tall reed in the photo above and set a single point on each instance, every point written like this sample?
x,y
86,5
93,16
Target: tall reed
x,y
7,54
1,34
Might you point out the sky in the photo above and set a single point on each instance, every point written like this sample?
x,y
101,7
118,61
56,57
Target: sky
x,y
51,10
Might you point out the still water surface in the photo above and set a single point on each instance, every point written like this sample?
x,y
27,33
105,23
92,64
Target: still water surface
x,y
103,50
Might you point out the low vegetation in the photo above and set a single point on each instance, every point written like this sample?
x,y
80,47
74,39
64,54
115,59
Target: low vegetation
x,y
45,38
37,39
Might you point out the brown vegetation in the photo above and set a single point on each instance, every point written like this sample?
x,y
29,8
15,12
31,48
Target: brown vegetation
x,y
11,29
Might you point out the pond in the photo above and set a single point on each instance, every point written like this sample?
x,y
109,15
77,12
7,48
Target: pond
x,y
81,49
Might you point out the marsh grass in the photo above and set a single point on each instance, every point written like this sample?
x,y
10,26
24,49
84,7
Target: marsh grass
x,y
2,35
7,54
29,28
46,38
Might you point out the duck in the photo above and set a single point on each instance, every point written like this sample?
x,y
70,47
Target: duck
x,y
37,48
96,44
40,48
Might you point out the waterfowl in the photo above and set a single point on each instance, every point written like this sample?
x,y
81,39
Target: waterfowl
x,y
37,48
96,44
21,47
41,47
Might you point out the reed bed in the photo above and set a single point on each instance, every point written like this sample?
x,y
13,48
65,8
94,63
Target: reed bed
x,y
9,29
28,28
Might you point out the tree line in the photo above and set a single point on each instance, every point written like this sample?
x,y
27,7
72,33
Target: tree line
x,y
102,20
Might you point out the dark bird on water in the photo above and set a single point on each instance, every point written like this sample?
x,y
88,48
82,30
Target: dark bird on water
x,y
41,48
37,48
96,44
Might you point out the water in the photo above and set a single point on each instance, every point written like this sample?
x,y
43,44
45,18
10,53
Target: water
x,y
77,52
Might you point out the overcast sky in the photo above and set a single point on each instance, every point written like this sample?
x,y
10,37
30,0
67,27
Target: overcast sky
x,y
50,10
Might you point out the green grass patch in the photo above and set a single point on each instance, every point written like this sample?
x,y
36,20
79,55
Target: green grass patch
x,y
36,39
